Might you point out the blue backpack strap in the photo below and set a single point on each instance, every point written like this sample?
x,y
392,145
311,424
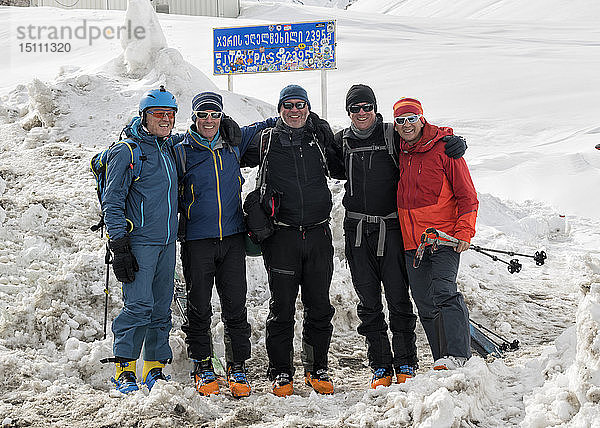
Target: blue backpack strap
x,y
236,152
137,157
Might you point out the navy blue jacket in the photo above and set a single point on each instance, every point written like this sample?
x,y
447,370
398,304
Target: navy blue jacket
x,y
145,208
211,196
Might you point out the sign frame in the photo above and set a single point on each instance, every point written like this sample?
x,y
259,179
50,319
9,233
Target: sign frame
x,y
248,49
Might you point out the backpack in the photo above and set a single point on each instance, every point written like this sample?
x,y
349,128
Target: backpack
x,y
388,137
98,167
265,144
261,206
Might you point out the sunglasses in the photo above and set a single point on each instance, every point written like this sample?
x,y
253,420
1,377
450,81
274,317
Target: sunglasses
x,y
410,119
159,114
298,104
365,107
204,114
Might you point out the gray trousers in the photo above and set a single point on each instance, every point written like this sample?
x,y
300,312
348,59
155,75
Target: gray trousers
x,y
441,307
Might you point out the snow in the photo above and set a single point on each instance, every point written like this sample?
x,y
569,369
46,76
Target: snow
x,y
519,85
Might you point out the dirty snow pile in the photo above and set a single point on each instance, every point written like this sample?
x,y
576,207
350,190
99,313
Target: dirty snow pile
x,y
55,115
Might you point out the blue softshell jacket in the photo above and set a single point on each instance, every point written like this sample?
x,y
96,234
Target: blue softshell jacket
x,y
146,207
211,198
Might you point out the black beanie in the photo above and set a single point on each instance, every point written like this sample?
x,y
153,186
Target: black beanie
x,y
360,94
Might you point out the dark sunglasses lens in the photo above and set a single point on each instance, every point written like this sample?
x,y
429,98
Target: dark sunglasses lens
x,y
289,105
202,114
356,108
216,114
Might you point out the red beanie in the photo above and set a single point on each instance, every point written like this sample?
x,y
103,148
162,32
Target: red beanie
x,y
407,105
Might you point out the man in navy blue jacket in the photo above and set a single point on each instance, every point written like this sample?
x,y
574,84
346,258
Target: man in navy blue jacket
x,y
213,248
141,220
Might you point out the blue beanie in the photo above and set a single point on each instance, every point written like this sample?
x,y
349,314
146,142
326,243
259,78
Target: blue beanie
x,y
206,101
292,92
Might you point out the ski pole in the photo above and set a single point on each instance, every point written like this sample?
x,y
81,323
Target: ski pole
x,y
180,295
539,256
513,265
506,345
107,261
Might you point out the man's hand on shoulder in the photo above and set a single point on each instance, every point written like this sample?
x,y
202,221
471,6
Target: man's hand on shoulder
x,y
456,146
231,131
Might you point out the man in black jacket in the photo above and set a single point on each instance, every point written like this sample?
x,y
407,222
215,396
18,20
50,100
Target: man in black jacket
x,y
366,155
300,251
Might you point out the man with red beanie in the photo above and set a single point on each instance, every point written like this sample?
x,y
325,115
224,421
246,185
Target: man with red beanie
x,y
436,191
366,155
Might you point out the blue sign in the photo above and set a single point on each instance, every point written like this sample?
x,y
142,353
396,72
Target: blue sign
x,y
273,48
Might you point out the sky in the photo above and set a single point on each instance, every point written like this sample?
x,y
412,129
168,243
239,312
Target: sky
x,y
519,82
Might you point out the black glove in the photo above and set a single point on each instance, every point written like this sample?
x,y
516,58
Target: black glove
x,y
322,129
456,146
124,262
231,131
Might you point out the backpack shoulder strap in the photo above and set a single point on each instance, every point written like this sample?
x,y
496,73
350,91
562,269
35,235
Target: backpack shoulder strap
x,y
180,159
236,151
136,155
388,136
321,148
264,146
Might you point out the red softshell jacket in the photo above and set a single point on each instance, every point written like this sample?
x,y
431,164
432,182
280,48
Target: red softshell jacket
x,y
434,190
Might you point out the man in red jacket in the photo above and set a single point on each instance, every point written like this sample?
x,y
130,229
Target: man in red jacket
x,y
435,190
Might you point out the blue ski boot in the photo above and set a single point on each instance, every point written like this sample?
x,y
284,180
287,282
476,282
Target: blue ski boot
x,y
125,380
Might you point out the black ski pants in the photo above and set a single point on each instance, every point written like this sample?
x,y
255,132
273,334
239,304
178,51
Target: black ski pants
x,y
222,263
441,306
294,259
368,273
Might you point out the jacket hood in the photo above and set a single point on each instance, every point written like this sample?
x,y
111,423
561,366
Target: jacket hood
x,y
136,131
431,135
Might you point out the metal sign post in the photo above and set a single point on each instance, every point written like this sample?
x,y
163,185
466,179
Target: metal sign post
x,y
276,48
324,94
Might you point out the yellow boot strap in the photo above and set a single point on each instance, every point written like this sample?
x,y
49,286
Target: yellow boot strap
x,y
149,365
124,367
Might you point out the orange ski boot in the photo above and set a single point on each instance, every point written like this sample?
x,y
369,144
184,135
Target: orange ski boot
x,y
319,381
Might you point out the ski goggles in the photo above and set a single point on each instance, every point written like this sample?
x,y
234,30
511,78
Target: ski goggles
x,y
159,114
288,105
410,119
365,107
213,114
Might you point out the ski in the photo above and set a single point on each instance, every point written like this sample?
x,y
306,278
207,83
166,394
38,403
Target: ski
x,y
482,344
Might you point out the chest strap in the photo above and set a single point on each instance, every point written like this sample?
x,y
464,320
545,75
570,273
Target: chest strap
x,y
371,219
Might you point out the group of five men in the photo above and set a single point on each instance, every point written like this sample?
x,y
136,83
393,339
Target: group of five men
x,y
401,178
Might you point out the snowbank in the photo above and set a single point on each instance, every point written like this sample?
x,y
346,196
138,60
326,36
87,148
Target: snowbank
x,y
52,279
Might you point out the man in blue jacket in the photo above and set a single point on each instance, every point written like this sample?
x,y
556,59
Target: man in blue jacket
x,y
141,219
213,248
